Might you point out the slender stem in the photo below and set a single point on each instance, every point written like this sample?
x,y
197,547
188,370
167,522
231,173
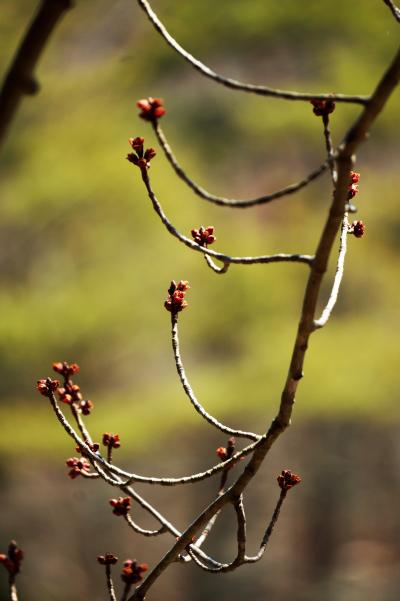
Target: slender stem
x,y
326,313
110,584
232,83
268,532
12,588
190,394
142,531
277,258
220,270
231,202
19,80
395,10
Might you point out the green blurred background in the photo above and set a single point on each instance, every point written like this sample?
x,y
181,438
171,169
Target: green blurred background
x,y
85,266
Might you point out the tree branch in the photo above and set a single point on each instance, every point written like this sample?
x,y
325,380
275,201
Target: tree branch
x,y
232,83
19,80
231,202
395,10
190,394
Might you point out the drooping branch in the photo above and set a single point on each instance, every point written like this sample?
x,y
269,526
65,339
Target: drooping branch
x,y
231,202
190,394
276,258
232,83
20,80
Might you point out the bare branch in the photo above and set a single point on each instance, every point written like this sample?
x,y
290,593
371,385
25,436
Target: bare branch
x,y
231,202
190,394
12,588
395,10
232,83
142,531
19,80
277,258
326,313
269,530
110,584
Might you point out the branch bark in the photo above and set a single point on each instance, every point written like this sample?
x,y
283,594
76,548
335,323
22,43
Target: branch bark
x,y
19,80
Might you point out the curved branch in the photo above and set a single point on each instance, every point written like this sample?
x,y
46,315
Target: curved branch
x,y
231,202
220,270
113,469
142,531
277,258
190,394
232,83
269,530
19,80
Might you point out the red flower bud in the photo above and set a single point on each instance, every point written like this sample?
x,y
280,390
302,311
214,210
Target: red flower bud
x,y
287,480
121,505
323,107
151,108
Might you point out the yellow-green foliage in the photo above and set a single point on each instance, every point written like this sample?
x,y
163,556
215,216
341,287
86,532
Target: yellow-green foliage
x,y
86,264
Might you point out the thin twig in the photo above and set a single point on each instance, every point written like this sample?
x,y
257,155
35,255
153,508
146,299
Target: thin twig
x,y
12,588
329,148
326,313
231,202
190,394
277,258
142,531
110,584
269,530
395,10
232,83
19,80
113,469
223,269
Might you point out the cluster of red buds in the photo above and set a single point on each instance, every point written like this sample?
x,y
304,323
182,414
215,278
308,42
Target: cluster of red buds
x,y
47,387
204,235
121,506
287,480
77,465
357,228
69,392
142,157
151,108
12,561
353,185
132,571
322,108
112,441
226,453
107,560
176,296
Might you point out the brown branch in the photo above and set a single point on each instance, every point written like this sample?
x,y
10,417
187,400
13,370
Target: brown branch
x,y
142,531
19,80
231,202
232,83
344,161
395,10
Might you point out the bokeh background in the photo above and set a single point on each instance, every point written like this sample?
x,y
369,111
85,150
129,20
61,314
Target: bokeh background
x,y
85,265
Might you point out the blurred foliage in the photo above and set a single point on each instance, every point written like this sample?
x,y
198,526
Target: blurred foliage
x,y
85,263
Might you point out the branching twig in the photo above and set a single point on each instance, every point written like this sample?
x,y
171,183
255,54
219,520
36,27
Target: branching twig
x,y
142,531
190,394
19,80
277,258
231,202
110,584
232,83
